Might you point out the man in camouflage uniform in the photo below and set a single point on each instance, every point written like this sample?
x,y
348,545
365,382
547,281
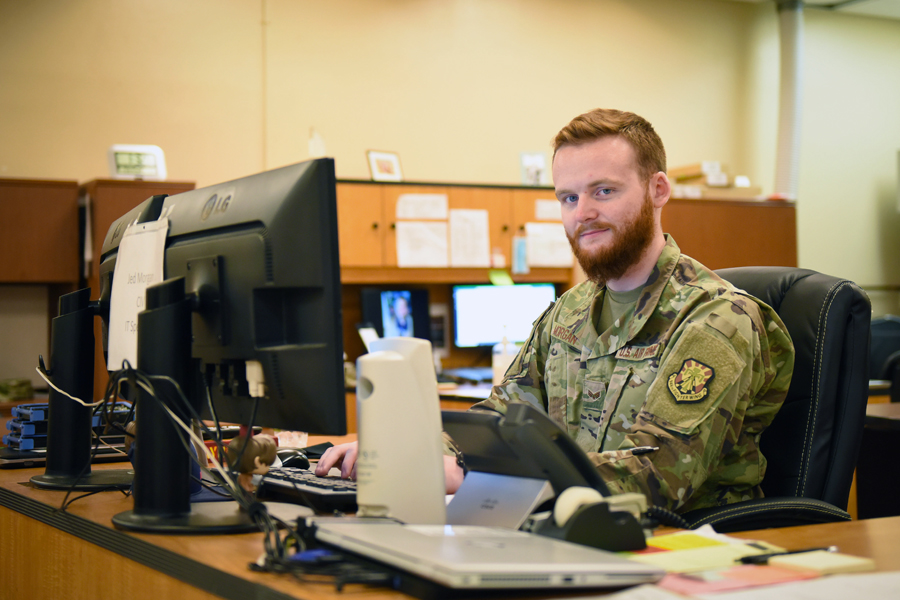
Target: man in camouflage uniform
x,y
654,349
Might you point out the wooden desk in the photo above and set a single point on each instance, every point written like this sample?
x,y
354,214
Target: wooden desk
x,y
883,416
873,538
73,555
463,396
78,554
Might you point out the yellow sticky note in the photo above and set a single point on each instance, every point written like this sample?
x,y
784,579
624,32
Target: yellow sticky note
x,y
500,277
682,541
694,559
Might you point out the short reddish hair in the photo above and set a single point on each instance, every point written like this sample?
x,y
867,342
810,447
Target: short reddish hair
x,y
603,122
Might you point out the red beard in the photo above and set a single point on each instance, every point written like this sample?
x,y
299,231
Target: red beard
x,y
630,240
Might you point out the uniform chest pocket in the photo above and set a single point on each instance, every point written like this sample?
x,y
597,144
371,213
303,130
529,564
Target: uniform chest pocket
x,y
598,403
589,413
563,384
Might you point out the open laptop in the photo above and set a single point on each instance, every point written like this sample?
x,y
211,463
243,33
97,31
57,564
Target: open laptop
x,y
471,556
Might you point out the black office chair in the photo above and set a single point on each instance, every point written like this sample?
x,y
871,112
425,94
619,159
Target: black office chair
x,y
813,443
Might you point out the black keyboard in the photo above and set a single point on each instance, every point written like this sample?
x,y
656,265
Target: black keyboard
x,y
301,486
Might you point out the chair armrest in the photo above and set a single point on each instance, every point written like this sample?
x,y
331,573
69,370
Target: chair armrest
x,y
764,513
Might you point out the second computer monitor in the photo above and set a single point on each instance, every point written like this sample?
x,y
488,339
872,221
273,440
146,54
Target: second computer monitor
x,y
484,314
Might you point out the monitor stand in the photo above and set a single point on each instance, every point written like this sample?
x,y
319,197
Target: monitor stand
x,y
162,463
69,425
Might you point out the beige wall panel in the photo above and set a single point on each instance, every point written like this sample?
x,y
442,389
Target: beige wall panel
x,y
78,77
460,88
847,217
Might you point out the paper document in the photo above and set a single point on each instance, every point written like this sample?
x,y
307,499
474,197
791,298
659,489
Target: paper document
x,y
422,206
698,550
139,264
833,587
421,244
469,238
547,210
548,245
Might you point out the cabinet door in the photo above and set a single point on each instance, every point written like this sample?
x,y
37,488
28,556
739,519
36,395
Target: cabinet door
x,y
392,194
39,238
498,203
537,205
360,224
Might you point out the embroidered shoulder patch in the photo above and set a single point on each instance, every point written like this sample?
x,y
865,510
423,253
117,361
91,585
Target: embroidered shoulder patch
x,y
691,382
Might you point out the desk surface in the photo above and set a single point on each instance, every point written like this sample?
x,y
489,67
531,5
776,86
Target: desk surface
x,y
883,416
49,550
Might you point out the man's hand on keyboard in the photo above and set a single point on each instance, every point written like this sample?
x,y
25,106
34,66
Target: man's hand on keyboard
x,y
343,456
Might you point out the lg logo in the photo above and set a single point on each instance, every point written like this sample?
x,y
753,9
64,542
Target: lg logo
x,y
216,204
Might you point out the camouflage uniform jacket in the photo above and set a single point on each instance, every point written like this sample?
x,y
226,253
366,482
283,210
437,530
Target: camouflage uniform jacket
x,y
696,367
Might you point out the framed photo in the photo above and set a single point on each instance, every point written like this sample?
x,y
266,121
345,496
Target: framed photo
x,y
384,166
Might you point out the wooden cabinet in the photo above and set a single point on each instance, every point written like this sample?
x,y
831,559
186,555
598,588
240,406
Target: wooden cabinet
x,y
718,233
524,207
734,233
367,220
361,225
498,203
39,241
368,241
39,250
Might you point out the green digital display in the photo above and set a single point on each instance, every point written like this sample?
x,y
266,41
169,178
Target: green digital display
x,y
135,163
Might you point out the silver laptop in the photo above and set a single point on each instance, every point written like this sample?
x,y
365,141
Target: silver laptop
x,y
472,556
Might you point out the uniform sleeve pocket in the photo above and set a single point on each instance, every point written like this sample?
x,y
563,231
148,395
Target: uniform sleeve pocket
x,y
693,380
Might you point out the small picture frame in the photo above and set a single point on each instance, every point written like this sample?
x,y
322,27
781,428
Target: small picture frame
x,y
384,166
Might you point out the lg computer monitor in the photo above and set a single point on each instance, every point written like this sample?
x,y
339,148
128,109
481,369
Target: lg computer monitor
x,y
259,260
483,315
261,252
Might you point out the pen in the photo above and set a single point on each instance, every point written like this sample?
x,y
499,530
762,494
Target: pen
x,y
762,559
643,450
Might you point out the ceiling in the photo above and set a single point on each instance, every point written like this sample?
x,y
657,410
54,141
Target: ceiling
x,y
888,9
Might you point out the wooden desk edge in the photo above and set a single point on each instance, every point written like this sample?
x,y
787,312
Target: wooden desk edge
x,y
168,562
875,538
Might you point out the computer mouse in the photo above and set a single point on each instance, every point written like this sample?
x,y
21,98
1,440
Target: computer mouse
x,y
292,457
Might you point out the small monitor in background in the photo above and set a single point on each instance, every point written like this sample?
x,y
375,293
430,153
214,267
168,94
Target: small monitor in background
x,y
397,312
484,314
